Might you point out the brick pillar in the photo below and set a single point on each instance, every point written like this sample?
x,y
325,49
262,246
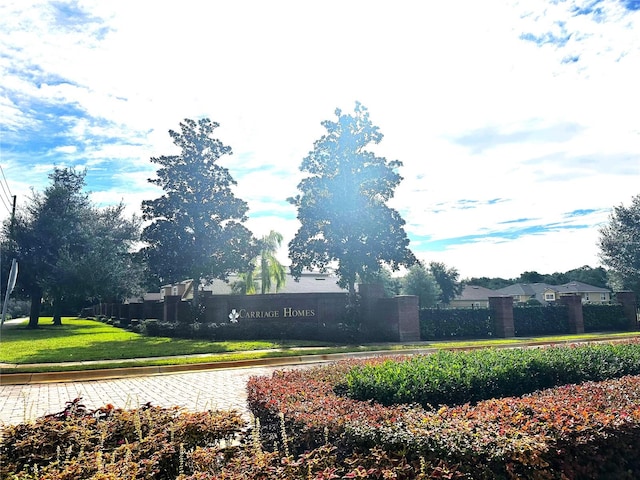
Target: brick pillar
x,y
408,318
576,320
502,314
630,306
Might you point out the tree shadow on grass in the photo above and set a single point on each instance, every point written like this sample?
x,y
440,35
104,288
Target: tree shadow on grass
x,y
73,342
116,350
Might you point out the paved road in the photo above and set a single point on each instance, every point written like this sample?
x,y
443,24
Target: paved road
x,y
203,390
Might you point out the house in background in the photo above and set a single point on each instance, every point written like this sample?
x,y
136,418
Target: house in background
x,y
525,292
550,294
174,289
309,282
589,293
473,296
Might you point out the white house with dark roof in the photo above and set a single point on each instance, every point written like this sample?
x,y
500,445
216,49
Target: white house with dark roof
x,y
474,296
549,294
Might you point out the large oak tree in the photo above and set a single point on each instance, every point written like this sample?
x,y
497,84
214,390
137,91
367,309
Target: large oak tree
x,y
620,246
342,207
69,250
196,230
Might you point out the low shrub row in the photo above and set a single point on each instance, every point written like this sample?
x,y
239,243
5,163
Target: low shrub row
x,y
588,430
456,377
155,443
304,430
110,443
247,330
134,324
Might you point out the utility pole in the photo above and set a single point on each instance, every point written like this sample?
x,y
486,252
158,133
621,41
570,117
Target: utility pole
x,y
13,216
14,268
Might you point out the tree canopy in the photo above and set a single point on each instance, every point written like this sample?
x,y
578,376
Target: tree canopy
x,y
267,272
620,246
196,230
272,272
419,281
447,280
70,250
342,208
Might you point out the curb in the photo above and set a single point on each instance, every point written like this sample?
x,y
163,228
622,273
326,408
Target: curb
x,y
124,372
115,373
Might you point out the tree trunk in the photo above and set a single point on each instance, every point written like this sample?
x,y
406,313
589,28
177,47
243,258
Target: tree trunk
x,y
57,307
34,311
195,303
352,292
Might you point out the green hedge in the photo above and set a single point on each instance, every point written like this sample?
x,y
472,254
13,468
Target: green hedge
x,y
456,377
440,324
588,430
247,330
540,320
604,318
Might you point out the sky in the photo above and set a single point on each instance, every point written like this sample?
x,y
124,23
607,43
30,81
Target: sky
x,y
517,123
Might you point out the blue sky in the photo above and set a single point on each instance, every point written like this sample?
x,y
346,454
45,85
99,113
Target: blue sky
x,y
518,123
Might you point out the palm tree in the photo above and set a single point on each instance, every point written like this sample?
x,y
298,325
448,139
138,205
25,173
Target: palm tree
x,y
245,285
270,268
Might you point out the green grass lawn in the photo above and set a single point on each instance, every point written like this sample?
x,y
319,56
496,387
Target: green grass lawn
x,y
79,340
82,340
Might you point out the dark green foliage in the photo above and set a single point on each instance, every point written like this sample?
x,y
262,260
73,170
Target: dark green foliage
x,y
448,281
441,324
604,318
620,246
493,283
196,230
586,274
459,377
70,251
420,282
532,320
343,207
250,330
540,320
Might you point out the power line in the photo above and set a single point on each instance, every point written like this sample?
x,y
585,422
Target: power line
x,y
9,195
5,204
5,181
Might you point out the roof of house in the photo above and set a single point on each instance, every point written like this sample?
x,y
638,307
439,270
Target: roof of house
x,y
525,289
579,287
146,297
307,283
475,293
537,290
533,290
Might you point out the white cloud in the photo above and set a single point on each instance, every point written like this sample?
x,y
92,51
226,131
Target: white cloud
x,y
474,111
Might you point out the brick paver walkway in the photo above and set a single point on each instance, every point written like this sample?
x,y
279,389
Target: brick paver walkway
x,y
204,390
